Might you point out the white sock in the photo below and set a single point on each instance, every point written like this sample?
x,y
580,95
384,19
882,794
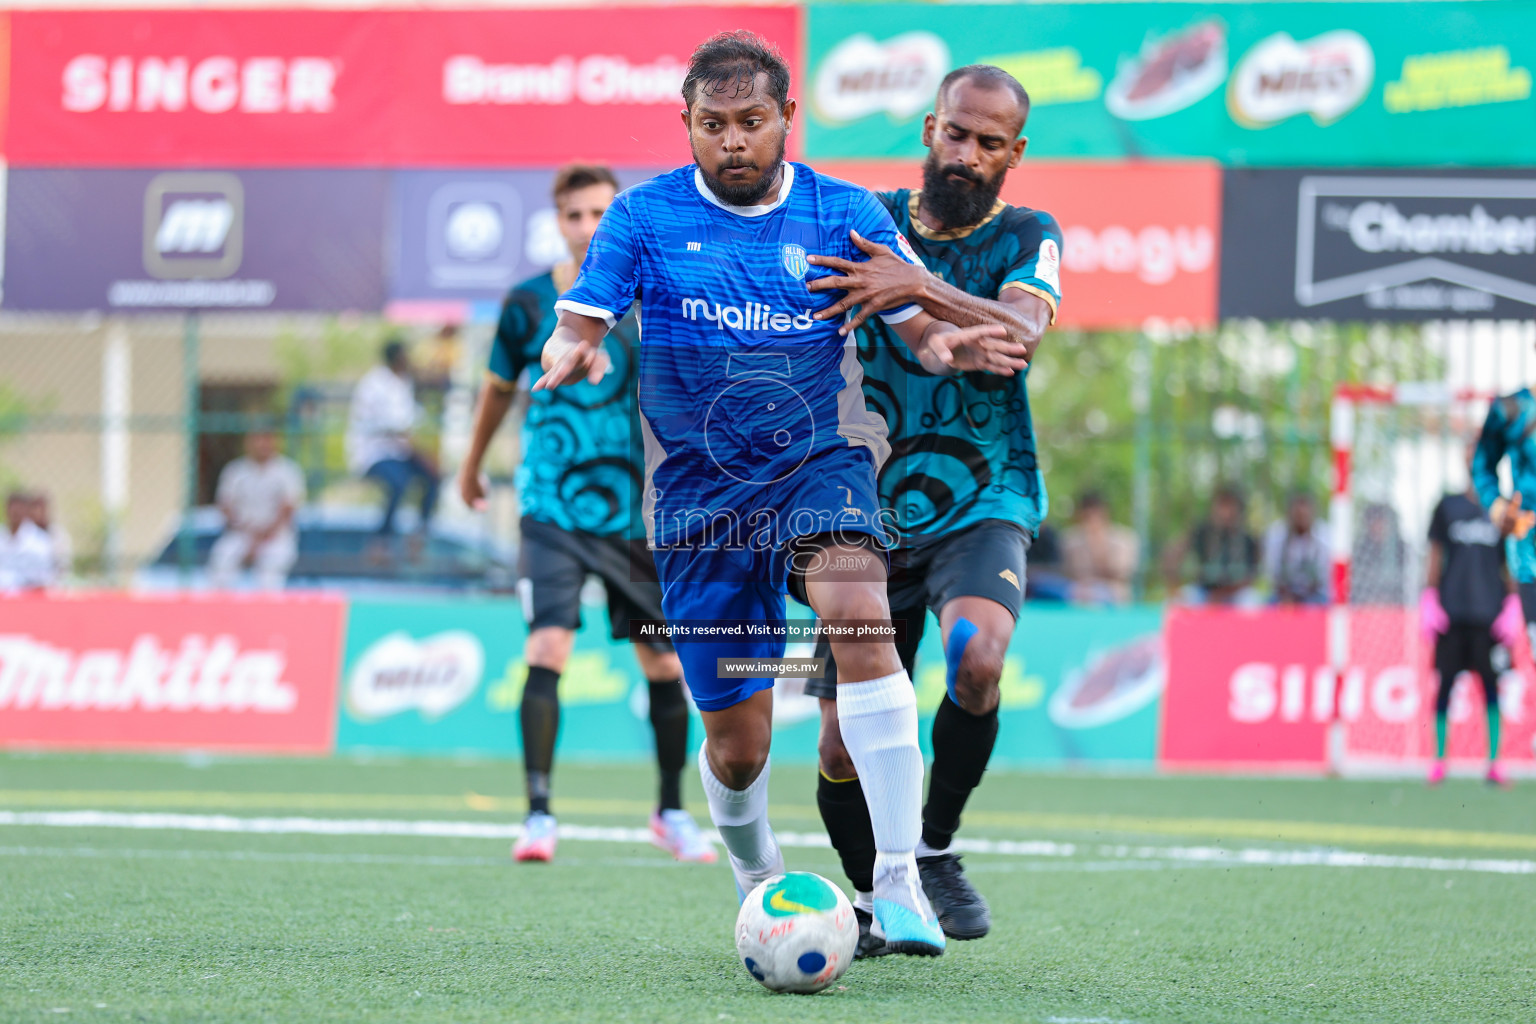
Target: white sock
x,y
879,724
741,817
924,850
864,901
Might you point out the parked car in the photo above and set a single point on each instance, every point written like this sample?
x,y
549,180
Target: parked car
x,y
340,548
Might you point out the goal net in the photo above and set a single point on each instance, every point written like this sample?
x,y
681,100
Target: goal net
x,y
1397,451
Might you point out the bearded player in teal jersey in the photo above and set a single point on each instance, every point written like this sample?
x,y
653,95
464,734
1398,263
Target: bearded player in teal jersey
x,y
962,484
580,488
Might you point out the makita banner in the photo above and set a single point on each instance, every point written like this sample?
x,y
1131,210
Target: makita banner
x,y
366,88
217,240
1379,245
1265,84
207,673
1139,240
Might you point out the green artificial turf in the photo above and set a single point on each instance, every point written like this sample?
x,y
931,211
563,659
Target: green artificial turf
x,y
115,924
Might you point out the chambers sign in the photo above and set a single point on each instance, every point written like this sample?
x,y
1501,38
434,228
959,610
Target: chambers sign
x,y
1379,245
1273,84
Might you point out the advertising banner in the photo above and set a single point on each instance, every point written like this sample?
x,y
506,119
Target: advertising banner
x,y
1276,84
1256,689
471,235
203,673
438,677
1139,240
185,88
1246,687
1379,245
1387,697
155,240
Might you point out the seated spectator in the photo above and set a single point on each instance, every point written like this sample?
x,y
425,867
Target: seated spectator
x,y
1218,561
258,495
1298,558
1045,580
1100,556
63,543
1378,571
27,557
379,445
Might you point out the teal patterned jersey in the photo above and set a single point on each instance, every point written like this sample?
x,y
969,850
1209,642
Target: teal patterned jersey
x,y
962,446
582,459
1509,430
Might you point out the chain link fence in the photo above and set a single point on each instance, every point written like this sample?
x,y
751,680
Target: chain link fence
x,y
126,423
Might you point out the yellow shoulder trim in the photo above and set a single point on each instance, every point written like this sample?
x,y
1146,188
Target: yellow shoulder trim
x,y
499,383
1050,300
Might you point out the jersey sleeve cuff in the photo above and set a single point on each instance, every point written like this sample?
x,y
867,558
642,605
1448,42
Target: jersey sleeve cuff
x,y
499,382
582,309
1024,286
902,315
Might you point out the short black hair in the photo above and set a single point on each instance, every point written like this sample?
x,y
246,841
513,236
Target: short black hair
x,y
393,349
578,176
988,76
1232,493
730,59
1091,499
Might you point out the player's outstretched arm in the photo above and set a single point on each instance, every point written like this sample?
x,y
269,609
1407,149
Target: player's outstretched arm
x,y
886,281
574,352
944,348
495,399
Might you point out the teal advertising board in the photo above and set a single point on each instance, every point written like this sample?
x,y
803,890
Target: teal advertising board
x,y
445,677
1269,84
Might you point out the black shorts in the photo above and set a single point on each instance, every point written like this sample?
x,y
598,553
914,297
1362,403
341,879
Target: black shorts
x,y
985,560
553,563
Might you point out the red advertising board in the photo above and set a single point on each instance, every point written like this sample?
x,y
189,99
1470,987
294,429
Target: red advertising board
x,y
213,673
373,88
1246,687
1141,240
1256,688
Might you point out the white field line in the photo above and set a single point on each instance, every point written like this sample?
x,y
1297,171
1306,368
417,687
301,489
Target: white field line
x,y
1204,855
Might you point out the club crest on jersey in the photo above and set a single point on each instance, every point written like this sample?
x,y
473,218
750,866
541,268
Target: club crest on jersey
x,y
905,247
795,262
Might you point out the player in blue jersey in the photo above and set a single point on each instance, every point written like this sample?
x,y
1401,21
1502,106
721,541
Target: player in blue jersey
x,y
760,454
963,482
579,486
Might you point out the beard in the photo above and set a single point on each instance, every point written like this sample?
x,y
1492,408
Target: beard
x,y
958,204
744,194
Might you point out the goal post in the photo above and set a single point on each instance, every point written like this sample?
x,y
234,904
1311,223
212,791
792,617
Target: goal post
x,y
1397,449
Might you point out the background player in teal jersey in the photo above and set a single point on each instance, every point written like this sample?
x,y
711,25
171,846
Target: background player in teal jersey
x,y
760,453
579,485
1510,429
963,484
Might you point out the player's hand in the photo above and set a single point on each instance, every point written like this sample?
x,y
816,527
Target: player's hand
x,y
1510,518
884,281
472,487
985,348
569,362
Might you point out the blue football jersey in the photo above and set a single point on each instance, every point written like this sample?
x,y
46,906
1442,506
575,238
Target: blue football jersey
x,y
739,386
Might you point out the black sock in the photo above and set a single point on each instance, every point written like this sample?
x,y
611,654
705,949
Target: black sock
x,y
669,720
962,746
540,719
846,816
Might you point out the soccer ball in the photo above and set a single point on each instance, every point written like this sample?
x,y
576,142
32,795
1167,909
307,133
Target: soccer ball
x,y
796,932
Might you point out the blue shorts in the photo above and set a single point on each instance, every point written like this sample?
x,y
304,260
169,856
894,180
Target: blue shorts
x,y
744,578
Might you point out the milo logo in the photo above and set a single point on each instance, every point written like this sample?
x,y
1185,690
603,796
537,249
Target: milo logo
x,y
799,892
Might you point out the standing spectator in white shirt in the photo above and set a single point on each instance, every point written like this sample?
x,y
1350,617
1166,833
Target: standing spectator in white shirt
x,y
379,442
27,559
258,495
1298,556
